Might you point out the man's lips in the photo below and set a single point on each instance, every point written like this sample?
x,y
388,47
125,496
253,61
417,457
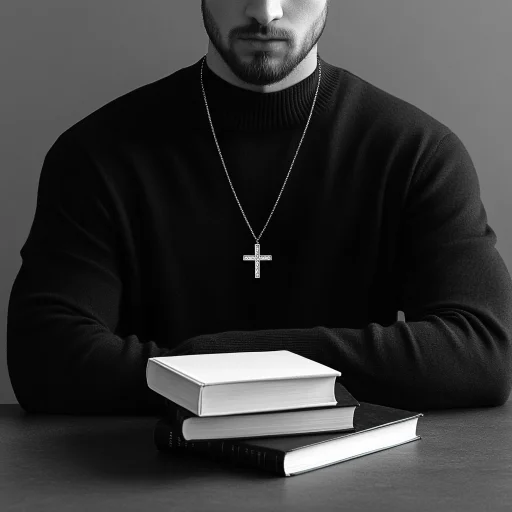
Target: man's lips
x,y
263,39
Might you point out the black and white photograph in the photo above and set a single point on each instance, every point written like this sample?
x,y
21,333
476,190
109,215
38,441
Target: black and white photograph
x,y
257,255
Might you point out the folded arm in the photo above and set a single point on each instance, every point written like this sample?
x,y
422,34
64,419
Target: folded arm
x,y
65,303
454,350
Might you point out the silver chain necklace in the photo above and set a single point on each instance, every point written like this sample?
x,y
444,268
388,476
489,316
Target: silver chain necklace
x,y
257,257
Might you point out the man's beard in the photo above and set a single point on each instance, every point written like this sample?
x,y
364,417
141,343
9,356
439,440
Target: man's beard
x,y
262,69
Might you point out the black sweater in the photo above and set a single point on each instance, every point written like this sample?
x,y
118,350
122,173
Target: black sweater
x,y
137,244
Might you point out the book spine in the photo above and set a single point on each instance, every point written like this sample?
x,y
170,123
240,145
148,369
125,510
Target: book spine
x,y
173,413
168,438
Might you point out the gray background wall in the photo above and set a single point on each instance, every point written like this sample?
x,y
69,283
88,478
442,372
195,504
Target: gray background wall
x,y
62,59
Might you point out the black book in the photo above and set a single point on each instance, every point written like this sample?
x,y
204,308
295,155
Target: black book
x,y
375,428
337,418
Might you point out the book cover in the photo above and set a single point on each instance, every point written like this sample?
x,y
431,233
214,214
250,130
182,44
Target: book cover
x,y
338,417
232,367
376,428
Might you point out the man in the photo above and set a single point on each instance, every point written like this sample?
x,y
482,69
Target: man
x,y
260,199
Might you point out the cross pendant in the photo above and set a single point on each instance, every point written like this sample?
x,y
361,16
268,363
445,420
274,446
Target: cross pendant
x,y
257,258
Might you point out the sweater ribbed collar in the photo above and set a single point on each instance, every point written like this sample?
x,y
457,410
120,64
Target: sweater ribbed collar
x,y
235,108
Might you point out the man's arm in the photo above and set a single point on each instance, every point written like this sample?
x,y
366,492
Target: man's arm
x,y
454,350
64,307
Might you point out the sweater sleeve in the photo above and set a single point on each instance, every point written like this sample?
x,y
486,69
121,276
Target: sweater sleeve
x,y
64,307
454,349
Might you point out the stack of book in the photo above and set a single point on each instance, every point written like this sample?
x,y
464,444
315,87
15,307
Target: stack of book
x,y
274,410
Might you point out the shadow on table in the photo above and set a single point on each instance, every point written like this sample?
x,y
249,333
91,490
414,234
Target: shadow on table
x,y
121,450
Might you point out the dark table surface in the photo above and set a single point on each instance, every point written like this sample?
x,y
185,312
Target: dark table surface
x,y
86,463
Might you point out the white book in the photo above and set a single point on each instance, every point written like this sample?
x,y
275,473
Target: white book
x,y
242,382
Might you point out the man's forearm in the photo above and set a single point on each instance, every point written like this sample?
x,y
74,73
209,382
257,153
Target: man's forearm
x,y
452,359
